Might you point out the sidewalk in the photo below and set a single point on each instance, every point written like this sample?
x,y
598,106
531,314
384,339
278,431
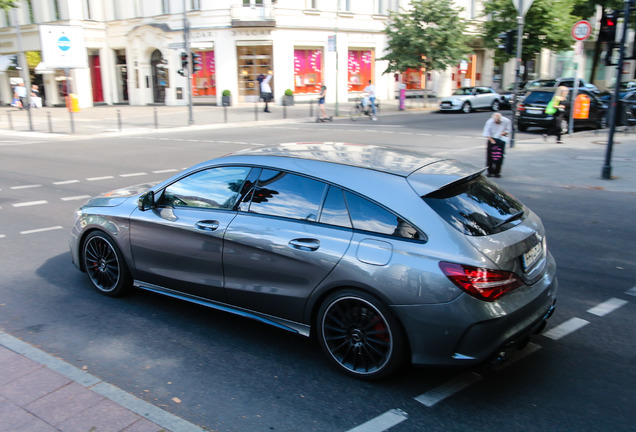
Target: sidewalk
x,y
39,392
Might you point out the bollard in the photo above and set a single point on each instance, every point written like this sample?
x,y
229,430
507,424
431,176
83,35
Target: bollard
x,y
284,111
119,120
255,111
311,108
10,121
225,113
156,119
48,117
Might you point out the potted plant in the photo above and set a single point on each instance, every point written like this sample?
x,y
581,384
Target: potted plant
x,y
288,98
225,99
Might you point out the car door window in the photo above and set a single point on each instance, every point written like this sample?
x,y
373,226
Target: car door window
x,y
279,193
215,188
368,216
334,211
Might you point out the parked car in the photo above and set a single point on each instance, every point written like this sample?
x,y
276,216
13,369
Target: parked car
x,y
467,99
531,112
385,255
506,94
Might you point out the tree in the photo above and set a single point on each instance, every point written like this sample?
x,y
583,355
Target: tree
x,y
547,24
430,35
8,4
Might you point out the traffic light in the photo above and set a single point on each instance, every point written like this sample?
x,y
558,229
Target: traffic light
x,y
607,33
196,62
507,41
13,63
184,59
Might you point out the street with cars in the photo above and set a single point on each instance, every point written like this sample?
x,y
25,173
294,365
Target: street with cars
x,y
225,372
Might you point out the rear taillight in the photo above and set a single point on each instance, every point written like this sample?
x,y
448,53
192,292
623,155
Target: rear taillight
x,y
481,283
520,107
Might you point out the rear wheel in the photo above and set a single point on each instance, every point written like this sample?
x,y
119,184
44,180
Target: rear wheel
x,y
522,127
360,335
355,113
466,108
105,264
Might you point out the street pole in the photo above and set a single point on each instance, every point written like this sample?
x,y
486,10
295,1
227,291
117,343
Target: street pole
x,y
337,75
575,91
517,73
24,67
188,67
607,167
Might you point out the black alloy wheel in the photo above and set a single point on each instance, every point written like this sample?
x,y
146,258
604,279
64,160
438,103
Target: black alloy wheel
x,y
105,265
360,336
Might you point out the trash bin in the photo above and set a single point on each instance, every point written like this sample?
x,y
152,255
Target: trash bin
x,y
72,103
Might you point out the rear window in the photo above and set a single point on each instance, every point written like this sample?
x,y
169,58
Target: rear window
x,y
476,207
538,97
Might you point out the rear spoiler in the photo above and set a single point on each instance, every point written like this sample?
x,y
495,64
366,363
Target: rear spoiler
x,y
454,183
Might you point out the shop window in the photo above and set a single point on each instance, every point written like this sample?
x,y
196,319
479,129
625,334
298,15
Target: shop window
x,y
307,70
204,81
414,79
360,67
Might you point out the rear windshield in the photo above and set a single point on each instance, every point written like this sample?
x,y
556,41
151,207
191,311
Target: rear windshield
x,y
477,207
538,97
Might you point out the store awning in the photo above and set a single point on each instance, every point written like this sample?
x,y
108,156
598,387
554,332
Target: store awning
x,y
43,69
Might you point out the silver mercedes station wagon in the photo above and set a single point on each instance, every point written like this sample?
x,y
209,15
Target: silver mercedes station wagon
x,y
386,256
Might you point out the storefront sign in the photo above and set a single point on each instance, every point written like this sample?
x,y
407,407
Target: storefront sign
x,y
253,32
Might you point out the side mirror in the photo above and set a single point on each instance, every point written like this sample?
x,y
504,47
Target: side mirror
x,y
146,201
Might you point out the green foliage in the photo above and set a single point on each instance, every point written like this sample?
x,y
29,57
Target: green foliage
x,y
8,4
431,35
33,58
585,9
547,24
288,92
226,93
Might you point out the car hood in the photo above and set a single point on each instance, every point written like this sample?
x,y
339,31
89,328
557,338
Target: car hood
x,y
118,196
458,98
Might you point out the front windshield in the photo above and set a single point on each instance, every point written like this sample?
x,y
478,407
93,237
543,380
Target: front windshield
x,y
463,91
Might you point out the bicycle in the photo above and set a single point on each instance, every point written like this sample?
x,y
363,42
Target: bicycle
x,y
361,108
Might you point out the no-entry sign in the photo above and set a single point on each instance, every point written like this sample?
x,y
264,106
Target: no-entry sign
x,y
581,30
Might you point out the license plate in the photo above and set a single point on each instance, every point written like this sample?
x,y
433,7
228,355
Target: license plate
x,y
530,257
446,104
534,111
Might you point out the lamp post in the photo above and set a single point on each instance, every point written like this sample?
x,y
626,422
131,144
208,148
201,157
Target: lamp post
x,y
24,66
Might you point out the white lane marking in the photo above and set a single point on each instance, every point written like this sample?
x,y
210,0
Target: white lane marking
x,y
631,292
2,236
382,422
190,140
606,307
25,186
165,171
30,203
564,329
65,182
100,178
76,197
133,174
519,355
424,134
225,142
239,142
447,389
164,139
39,230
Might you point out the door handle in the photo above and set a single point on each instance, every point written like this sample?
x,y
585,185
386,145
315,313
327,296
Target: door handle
x,y
307,244
207,225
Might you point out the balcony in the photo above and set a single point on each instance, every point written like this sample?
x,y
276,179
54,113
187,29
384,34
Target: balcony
x,y
253,16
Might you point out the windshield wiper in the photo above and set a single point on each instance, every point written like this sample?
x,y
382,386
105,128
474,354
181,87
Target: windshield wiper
x,y
510,219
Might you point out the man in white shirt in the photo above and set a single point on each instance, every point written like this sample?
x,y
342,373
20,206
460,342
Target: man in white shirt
x,y
370,91
497,129
266,91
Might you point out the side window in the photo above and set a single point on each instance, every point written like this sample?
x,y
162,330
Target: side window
x,y
335,212
215,188
367,216
278,193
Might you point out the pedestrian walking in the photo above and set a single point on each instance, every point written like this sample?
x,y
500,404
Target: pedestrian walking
x,y
370,91
497,130
20,93
556,109
321,103
266,91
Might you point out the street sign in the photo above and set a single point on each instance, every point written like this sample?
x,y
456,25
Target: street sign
x,y
522,6
581,30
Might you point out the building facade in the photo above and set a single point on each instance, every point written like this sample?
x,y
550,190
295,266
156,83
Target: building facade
x,y
134,50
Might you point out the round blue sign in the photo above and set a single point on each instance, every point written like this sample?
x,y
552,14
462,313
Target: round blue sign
x,y
64,43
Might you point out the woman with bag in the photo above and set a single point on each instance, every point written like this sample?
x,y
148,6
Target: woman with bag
x,y
555,108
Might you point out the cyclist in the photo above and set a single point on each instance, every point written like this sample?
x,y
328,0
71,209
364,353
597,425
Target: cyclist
x,y
370,91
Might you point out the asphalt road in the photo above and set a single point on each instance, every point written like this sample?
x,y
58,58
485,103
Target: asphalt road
x,y
233,374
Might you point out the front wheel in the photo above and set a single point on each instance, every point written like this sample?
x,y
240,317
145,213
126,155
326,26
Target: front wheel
x,y
466,108
355,113
360,335
105,264
495,105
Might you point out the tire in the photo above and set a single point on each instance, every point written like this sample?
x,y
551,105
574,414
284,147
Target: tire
x,y
360,336
355,113
466,108
495,105
105,265
522,127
